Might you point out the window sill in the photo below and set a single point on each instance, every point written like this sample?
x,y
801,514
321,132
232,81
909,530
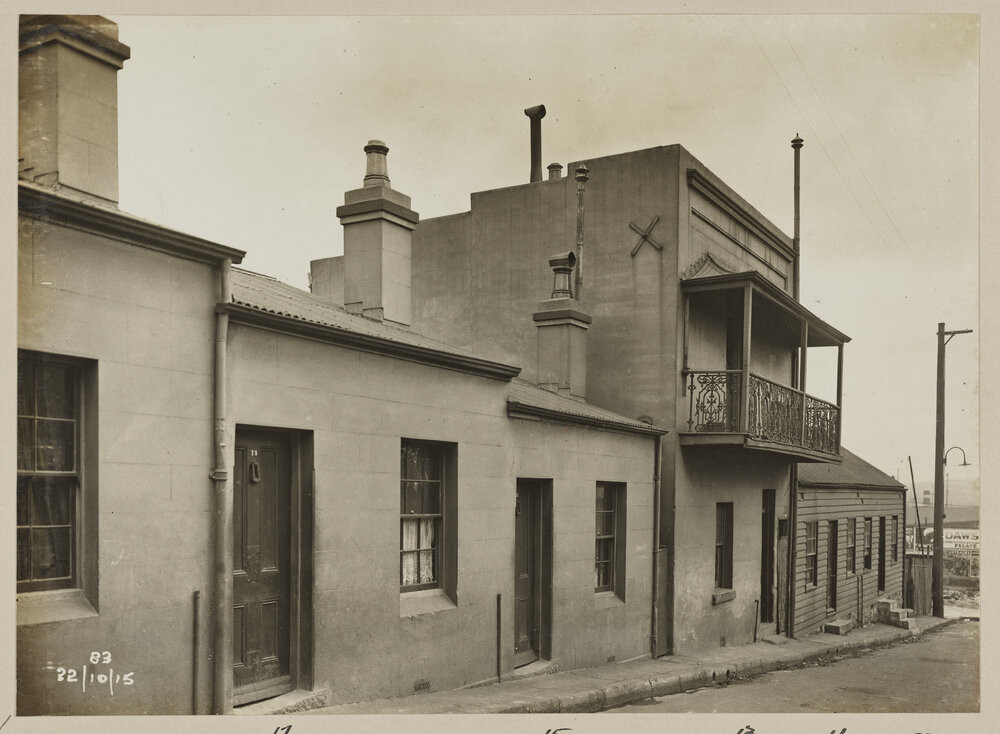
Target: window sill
x,y
429,601
40,607
607,599
721,596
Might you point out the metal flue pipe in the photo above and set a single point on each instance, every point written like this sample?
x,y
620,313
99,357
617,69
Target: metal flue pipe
x,y
535,114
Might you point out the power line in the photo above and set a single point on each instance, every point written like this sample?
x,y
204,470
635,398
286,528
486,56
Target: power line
x,y
847,145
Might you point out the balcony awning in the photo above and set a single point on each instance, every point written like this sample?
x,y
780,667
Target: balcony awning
x,y
821,334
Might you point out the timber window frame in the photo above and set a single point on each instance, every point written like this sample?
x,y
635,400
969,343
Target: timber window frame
x,y
609,538
428,516
852,545
812,553
723,545
56,505
867,550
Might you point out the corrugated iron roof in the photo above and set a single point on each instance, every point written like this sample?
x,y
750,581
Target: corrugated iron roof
x,y
545,403
267,294
853,471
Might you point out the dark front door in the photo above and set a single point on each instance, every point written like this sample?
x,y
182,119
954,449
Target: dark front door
x,y
767,518
881,553
831,566
527,595
261,550
782,563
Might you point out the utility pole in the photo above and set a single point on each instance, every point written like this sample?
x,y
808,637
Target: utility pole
x,y
937,571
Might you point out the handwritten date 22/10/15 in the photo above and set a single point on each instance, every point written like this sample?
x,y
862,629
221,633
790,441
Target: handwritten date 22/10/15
x,y
94,676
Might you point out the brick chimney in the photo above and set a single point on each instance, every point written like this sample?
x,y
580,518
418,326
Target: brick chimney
x,y
68,95
562,326
378,225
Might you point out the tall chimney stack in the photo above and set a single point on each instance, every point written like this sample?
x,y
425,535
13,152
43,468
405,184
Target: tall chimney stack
x,y
378,228
535,114
562,326
68,103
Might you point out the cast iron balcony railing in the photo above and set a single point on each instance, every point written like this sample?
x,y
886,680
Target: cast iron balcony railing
x,y
774,412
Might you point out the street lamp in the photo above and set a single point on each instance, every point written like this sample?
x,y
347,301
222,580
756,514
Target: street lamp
x,y
941,457
944,460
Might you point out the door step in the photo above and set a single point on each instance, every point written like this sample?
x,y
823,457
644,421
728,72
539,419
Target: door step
x,y
839,626
287,703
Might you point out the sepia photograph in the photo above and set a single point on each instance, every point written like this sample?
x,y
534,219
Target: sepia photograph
x,y
546,361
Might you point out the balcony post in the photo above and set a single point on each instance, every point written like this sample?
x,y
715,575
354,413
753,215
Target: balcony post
x,y
840,391
802,382
745,377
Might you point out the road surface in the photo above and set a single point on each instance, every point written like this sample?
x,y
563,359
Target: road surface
x,y
935,673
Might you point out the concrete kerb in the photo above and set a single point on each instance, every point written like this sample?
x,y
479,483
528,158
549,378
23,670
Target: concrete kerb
x,y
599,689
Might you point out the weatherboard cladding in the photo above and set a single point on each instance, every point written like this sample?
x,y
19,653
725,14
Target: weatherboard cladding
x,y
853,471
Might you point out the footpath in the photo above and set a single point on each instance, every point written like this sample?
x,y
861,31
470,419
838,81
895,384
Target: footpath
x,y
616,684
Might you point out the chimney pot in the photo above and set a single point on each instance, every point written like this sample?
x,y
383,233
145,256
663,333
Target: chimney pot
x,y
562,265
555,171
561,329
377,168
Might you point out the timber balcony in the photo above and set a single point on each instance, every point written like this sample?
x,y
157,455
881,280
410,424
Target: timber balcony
x,y
757,338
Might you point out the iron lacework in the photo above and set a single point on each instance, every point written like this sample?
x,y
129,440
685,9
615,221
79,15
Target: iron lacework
x,y
774,412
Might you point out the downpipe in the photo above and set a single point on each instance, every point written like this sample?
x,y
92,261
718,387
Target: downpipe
x,y
655,615
222,647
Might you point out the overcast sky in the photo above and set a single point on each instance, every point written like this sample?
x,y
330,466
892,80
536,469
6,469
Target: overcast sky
x,y
247,131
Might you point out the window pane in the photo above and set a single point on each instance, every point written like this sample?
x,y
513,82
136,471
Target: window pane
x,y
25,444
25,388
428,536
430,499
408,569
605,523
601,502
420,462
55,450
602,575
409,503
51,501
23,555
602,550
427,574
54,391
50,553
410,535
23,485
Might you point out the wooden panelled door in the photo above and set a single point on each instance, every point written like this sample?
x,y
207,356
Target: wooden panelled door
x,y
261,568
831,564
527,575
881,553
767,520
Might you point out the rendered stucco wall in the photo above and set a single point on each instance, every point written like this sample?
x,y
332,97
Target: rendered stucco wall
x,y
146,320
368,641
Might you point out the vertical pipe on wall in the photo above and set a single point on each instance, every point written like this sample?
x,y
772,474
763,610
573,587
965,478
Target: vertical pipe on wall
x,y
793,511
196,600
581,181
657,556
222,647
499,646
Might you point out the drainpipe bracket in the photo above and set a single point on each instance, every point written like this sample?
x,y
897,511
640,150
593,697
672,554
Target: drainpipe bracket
x,y
219,475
